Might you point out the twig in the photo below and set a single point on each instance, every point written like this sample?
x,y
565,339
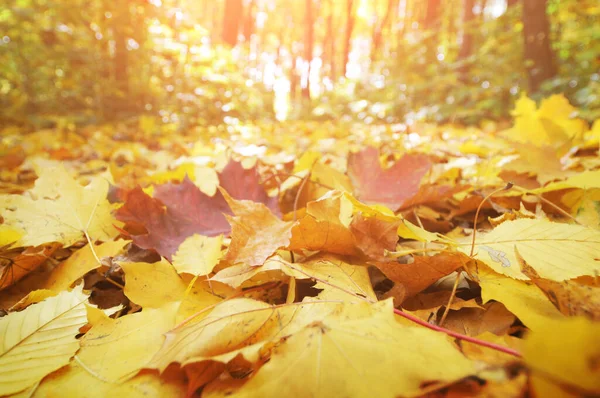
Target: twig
x,y
505,188
459,336
447,309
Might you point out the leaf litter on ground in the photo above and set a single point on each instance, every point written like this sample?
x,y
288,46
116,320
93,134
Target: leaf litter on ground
x,y
367,265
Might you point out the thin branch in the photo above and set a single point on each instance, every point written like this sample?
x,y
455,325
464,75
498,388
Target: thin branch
x,y
459,336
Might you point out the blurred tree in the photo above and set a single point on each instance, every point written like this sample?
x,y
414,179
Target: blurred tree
x,y
539,58
466,45
308,47
350,20
232,19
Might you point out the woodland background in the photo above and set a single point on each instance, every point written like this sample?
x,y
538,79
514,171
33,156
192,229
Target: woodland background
x,y
207,61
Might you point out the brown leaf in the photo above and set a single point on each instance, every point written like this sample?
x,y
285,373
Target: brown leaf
x,y
256,233
321,229
423,272
373,236
493,318
14,267
392,187
570,297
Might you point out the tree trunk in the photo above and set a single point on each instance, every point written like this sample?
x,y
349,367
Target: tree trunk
x,y
121,21
539,58
308,47
431,24
348,36
248,29
329,43
378,29
232,20
466,47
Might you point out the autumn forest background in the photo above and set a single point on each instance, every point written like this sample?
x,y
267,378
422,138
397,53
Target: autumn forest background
x,y
376,61
299,198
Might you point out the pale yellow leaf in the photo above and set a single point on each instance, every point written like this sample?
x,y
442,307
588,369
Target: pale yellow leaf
x,y
59,209
37,341
360,351
198,254
75,381
522,298
556,251
116,349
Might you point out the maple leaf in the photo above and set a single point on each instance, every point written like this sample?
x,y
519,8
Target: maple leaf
x,y
176,212
244,184
59,209
359,350
422,272
391,187
256,232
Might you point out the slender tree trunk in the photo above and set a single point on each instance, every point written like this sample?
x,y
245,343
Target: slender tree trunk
x,y
121,19
378,29
308,46
329,43
348,36
232,20
431,24
539,57
466,47
249,21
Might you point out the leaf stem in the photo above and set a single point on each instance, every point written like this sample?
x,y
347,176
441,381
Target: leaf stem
x,y
505,188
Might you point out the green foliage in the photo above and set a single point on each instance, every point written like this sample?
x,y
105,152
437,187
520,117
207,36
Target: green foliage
x,y
100,59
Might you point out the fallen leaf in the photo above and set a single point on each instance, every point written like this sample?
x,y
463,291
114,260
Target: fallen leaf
x,y
59,209
198,254
550,355
556,251
75,381
422,272
22,264
569,297
81,262
256,233
115,350
39,340
521,298
176,212
358,351
322,228
393,186
244,184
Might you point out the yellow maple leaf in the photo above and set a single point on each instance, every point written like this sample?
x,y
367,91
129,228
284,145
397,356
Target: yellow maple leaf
x,y
114,350
551,124
356,352
198,254
59,209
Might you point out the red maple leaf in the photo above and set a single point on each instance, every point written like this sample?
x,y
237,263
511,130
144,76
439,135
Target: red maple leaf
x,y
391,187
176,212
244,184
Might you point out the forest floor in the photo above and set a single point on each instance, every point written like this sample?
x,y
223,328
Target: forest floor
x,y
302,259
